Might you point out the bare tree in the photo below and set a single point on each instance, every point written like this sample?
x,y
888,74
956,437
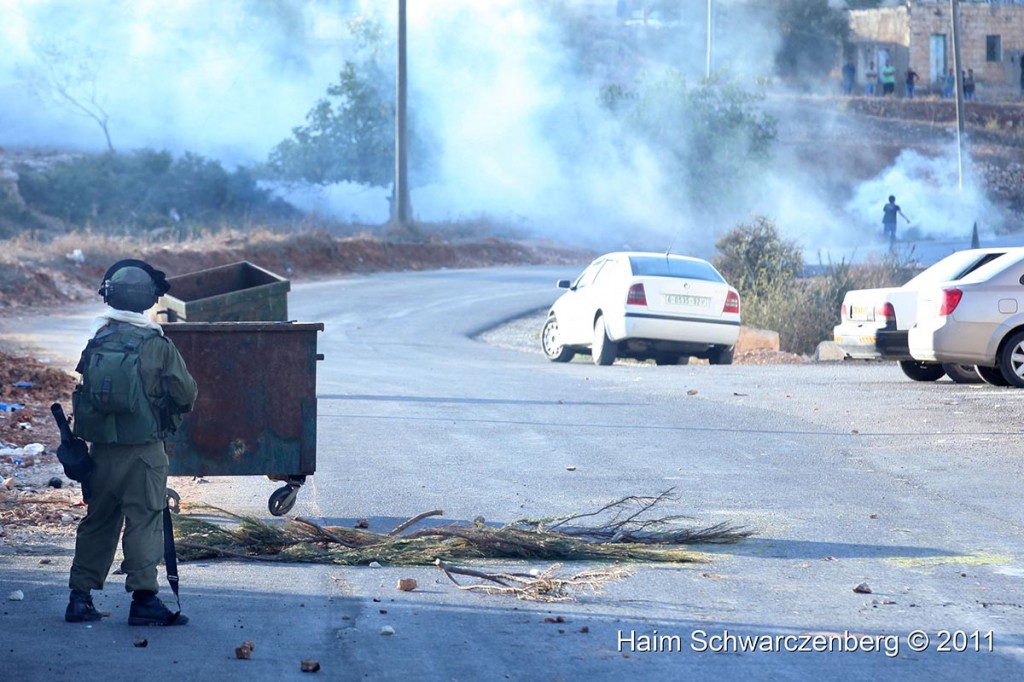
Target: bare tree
x,y
67,75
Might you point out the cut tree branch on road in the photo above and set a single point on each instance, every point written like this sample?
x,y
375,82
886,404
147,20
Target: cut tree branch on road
x,y
626,538
537,586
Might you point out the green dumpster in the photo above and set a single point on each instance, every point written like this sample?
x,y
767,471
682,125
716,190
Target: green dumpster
x,y
227,293
256,410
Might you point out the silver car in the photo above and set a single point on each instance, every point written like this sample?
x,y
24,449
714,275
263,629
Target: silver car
x,y
874,323
978,320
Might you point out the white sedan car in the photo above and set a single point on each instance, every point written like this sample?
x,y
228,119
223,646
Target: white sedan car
x,y
874,323
978,320
645,306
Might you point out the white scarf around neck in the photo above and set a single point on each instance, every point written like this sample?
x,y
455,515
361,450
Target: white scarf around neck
x,y
114,315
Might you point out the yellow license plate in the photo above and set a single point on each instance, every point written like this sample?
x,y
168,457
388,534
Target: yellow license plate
x,y
862,312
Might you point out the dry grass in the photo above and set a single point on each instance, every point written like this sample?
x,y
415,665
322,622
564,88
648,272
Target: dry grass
x,y
624,530
38,271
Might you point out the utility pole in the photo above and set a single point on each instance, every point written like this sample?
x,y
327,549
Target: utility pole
x,y
707,68
401,212
954,12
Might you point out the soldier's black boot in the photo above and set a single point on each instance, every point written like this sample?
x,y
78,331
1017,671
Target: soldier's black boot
x,y
80,608
147,609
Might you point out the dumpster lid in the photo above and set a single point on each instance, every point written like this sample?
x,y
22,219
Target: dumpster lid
x,y
219,327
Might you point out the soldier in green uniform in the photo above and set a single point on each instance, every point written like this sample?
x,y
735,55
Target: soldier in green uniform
x,y
127,486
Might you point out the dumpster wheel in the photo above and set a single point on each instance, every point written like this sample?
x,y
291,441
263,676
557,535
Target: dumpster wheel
x,y
283,499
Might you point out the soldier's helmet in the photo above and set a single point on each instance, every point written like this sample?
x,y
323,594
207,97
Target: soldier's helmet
x,y
133,285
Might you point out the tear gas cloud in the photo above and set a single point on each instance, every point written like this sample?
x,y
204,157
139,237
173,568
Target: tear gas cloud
x,y
509,96
929,192
224,79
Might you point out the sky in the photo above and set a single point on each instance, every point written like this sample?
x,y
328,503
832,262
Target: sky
x,y
510,98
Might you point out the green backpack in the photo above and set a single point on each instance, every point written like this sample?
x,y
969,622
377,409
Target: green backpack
x,y
110,404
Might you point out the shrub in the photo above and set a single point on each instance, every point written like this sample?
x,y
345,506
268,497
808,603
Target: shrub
x,y
143,189
754,257
768,272
14,215
711,138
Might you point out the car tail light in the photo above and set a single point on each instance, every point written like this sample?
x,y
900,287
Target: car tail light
x,y
950,300
886,313
842,312
636,295
732,303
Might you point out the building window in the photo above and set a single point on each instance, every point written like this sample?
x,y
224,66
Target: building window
x,y
993,48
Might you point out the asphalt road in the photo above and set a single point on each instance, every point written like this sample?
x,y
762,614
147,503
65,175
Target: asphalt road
x,y
849,473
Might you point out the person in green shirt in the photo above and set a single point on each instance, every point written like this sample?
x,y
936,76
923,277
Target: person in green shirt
x,y
888,79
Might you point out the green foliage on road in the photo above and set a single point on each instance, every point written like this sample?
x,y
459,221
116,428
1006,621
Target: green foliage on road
x,y
601,535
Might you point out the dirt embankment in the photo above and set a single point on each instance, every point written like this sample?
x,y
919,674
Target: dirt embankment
x,y
994,132
70,269
30,507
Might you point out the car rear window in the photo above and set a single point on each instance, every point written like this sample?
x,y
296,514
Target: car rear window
x,y
996,270
953,267
660,266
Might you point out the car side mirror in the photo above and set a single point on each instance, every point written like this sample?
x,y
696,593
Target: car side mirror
x,y
563,284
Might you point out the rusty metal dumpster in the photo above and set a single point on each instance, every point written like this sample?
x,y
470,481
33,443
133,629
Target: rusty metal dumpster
x,y
256,410
228,293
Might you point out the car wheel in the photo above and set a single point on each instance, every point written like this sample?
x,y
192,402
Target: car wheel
x,y
961,374
670,359
553,348
1011,360
922,371
722,355
603,350
992,375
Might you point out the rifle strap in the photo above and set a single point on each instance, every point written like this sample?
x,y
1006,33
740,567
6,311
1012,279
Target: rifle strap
x,y
171,556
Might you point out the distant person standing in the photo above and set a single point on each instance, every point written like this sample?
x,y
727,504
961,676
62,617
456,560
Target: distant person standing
x,y
849,74
890,212
911,81
948,83
969,86
871,77
888,79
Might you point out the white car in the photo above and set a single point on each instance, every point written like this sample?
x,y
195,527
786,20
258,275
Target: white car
x,y
645,306
873,323
978,320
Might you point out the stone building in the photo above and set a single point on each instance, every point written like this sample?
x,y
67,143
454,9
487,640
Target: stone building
x,y
881,35
920,35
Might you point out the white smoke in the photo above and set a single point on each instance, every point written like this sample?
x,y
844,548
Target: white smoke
x,y
224,79
929,191
509,97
